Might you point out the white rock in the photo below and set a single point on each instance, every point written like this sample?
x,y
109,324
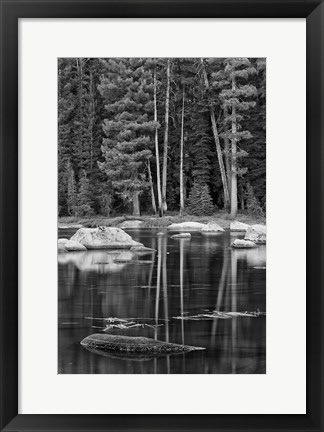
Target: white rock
x,y
70,226
257,234
243,244
62,241
187,225
131,224
238,226
73,246
104,238
182,235
212,227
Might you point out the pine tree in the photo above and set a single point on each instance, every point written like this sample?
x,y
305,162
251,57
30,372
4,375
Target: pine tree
x,y
252,203
128,91
71,190
200,201
236,97
84,205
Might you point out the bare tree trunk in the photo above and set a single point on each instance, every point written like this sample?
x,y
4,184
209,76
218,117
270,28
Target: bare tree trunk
x,y
166,136
136,204
234,159
157,156
151,185
226,154
181,155
217,144
91,122
79,62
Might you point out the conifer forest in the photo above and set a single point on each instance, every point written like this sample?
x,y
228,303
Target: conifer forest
x,y
162,211
148,136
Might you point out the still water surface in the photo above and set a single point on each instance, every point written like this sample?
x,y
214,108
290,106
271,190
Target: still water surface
x,y
149,293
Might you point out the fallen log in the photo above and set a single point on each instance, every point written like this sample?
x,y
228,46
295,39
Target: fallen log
x,y
133,346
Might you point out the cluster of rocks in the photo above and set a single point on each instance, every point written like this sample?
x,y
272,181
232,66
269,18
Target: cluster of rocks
x,y
115,238
254,236
99,238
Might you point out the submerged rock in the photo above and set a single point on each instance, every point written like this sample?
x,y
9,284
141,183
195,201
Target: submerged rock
x,y
243,244
142,249
133,346
182,235
187,225
257,234
104,238
61,247
212,227
73,246
238,226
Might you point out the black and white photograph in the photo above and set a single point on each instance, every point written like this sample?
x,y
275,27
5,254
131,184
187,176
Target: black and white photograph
x,y
162,215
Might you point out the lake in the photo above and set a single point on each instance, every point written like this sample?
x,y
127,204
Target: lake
x,y
170,295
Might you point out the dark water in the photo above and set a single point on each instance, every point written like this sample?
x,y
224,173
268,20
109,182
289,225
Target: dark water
x,y
183,278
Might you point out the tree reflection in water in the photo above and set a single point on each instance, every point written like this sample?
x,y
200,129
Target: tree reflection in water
x,y
182,279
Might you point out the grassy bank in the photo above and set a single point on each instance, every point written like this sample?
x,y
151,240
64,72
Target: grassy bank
x,y
221,217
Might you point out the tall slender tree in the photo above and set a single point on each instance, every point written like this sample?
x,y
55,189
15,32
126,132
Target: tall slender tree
x,y
217,141
156,138
166,138
181,154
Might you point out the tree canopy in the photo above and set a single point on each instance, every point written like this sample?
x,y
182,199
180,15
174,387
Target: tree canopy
x,y
133,132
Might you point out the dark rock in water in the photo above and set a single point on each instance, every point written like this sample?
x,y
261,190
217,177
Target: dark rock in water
x,y
133,346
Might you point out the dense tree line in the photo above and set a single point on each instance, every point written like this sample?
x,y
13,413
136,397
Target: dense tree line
x,y
151,135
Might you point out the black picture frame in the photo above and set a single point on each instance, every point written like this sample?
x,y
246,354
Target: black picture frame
x,y
11,11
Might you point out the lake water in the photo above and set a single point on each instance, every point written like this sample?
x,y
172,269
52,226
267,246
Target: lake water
x,y
102,291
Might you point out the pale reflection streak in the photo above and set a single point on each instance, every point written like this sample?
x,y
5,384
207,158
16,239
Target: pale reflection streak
x,y
219,301
234,308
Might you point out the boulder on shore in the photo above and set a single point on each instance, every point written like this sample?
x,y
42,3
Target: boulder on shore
x,y
187,225
182,235
73,246
132,345
62,241
257,234
212,227
243,244
131,224
104,238
238,226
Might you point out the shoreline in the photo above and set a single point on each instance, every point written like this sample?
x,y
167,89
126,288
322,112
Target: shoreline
x,y
149,221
